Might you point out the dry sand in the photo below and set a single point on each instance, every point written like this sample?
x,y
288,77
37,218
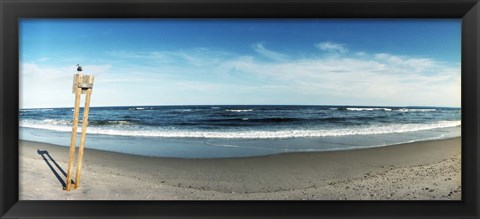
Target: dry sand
x,y
414,171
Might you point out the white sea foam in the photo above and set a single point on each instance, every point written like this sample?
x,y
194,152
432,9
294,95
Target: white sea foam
x,y
247,134
368,109
46,124
239,110
139,108
42,110
389,109
56,122
416,110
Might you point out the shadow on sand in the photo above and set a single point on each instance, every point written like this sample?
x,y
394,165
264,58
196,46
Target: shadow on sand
x,y
45,152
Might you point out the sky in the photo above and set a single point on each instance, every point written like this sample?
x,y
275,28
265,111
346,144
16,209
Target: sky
x,y
369,62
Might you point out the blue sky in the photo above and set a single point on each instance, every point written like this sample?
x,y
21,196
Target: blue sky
x,y
242,61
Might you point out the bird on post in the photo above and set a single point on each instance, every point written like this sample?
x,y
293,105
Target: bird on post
x,y
79,68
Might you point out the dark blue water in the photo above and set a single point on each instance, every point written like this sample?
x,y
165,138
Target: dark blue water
x,y
231,131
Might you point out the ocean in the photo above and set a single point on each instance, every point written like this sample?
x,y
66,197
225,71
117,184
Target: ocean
x,y
241,130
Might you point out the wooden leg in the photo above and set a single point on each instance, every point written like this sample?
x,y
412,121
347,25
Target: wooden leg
x,y
82,139
73,141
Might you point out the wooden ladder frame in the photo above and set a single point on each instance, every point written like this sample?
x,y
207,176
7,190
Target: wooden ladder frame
x,y
82,84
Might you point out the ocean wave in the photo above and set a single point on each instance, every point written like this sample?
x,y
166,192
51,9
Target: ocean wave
x,y
140,108
112,122
368,109
416,110
255,122
387,109
245,120
182,110
57,122
239,110
253,134
35,110
261,120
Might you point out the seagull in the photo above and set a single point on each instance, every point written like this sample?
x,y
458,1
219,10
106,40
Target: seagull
x,y
79,68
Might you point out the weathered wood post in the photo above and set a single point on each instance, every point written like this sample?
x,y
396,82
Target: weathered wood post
x,y
82,84
86,109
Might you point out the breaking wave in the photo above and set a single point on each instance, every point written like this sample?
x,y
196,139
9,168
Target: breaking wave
x,y
247,134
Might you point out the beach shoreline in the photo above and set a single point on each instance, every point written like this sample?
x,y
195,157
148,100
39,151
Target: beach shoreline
x,y
428,170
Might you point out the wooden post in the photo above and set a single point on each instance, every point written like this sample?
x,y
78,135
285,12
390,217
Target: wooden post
x,y
81,84
73,142
84,132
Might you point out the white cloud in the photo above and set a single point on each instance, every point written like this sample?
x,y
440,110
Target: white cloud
x,y
43,59
331,47
414,64
195,56
47,86
388,80
203,76
148,56
361,53
258,47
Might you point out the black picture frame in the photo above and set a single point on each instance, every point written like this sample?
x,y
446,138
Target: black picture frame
x,y
12,10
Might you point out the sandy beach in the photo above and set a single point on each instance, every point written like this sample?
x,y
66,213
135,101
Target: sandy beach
x,y
429,170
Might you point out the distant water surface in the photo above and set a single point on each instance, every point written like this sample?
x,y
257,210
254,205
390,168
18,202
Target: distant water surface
x,y
237,131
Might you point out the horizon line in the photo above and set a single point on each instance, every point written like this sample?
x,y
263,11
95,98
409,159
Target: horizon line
x,y
343,105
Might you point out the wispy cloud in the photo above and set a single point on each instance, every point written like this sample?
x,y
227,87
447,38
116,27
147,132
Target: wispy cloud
x,y
195,56
331,47
46,86
43,59
362,78
208,76
45,72
258,47
404,62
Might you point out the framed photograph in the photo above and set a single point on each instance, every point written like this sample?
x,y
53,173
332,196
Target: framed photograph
x,y
240,109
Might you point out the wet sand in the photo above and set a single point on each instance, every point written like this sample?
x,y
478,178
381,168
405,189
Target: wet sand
x,y
429,170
